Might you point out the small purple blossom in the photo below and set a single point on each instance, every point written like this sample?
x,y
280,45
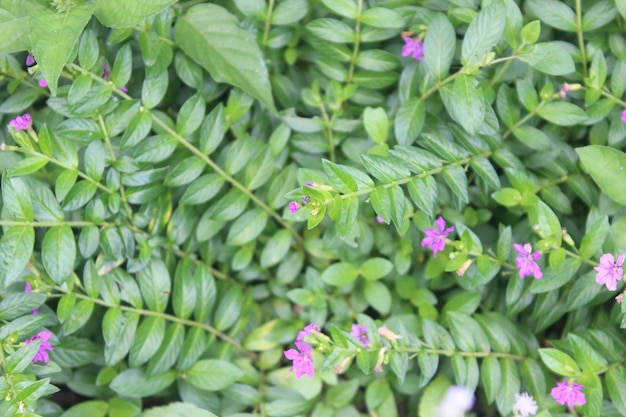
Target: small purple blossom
x,y
124,89
564,89
293,207
380,220
309,184
413,47
302,360
42,355
624,116
27,288
22,122
30,60
525,261
610,271
42,83
456,402
524,405
360,333
568,393
308,329
436,237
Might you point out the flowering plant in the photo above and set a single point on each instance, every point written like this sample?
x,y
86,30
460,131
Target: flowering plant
x,y
329,208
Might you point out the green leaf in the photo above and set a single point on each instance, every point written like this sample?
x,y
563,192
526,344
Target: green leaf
x,y
424,193
190,115
80,194
276,249
331,30
380,17
376,123
509,386
53,35
16,199
247,228
213,374
339,177
58,252
483,33
118,330
555,13
559,362
120,14
14,20
409,120
155,284
465,103
491,376
562,113
376,268
550,58
229,308
177,410
508,197
212,37
340,274
184,294
598,15
169,350
345,8
88,408
27,166
439,46
607,167
136,383
78,317
147,341
386,169
17,304
20,359
378,296
616,384
185,172
289,12
594,237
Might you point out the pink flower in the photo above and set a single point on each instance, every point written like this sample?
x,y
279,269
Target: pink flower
x,y
525,261
30,60
302,360
42,83
42,355
308,329
564,89
360,333
22,122
293,207
610,271
436,237
380,220
28,289
568,392
124,89
624,116
413,47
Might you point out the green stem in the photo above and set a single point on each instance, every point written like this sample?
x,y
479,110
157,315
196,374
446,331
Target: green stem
x,y
523,120
107,140
614,99
268,23
49,224
581,41
328,127
357,42
450,353
168,317
61,164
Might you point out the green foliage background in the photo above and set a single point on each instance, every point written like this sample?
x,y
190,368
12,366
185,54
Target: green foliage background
x,y
148,207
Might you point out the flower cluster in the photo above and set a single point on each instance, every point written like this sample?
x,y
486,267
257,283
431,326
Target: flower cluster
x,y
436,237
22,122
301,357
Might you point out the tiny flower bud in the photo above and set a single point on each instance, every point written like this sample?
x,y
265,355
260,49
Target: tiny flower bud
x,y
619,298
345,362
381,358
387,333
461,271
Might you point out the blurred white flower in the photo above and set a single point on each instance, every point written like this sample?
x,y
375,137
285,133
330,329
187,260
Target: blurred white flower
x,y
457,401
524,405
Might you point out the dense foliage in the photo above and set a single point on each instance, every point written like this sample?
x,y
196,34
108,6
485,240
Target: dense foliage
x,y
426,199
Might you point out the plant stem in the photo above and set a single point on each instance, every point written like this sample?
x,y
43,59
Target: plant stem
x,y
581,41
50,224
268,23
357,42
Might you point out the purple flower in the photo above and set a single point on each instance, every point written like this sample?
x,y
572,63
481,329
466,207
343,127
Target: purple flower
x,y
42,355
308,329
302,360
524,405
27,288
293,207
360,333
413,47
610,271
624,116
380,220
564,89
309,184
42,83
22,122
124,89
30,60
436,237
568,392
456,402
525,261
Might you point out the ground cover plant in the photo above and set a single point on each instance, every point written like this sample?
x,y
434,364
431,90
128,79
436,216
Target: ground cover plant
x,y
312,208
